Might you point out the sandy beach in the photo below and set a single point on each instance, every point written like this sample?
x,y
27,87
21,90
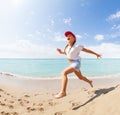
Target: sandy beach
x,y
46,42
20,96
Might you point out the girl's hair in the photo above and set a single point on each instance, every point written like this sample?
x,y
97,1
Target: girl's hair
x,y
67,46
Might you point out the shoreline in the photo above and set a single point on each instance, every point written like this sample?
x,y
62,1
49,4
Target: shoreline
x,y
71,76
54,84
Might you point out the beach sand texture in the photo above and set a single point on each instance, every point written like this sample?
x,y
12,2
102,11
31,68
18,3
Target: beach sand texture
x,y
100,100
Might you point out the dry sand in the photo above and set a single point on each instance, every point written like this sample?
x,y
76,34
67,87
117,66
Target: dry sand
x,y
35,97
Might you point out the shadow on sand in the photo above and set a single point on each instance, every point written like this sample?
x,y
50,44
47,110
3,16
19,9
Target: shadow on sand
x,y
98,93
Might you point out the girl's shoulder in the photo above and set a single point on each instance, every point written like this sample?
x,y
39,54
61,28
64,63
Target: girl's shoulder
x,y
78,45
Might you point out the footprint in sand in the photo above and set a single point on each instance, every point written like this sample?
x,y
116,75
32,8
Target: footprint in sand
x,y
74,104
41,109
11,106
59,113
52,103
30,109
2,104
23,102
38,94
13,113
3,113
19,99
7,93
11,101
26,96
1,90
40,104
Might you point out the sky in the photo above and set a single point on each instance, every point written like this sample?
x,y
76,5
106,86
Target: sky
x,y
35,28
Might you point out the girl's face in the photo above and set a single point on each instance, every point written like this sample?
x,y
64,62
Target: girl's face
x,y
70,39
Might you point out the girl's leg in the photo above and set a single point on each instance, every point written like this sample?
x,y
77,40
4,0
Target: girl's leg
x,y
68,70
64,82
81,77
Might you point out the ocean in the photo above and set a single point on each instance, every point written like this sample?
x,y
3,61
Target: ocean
x,y
51,68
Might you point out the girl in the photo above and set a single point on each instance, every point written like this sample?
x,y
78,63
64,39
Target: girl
x,y
72,51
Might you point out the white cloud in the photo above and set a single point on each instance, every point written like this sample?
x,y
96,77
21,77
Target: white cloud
x,y
52,22
115,35
67,21
26,49
108,50
86,34
99,37
116,31
84,3
78,36
115,27
114,16
37,32
30,35
58,37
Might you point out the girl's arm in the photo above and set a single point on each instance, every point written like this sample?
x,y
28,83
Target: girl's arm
x,y
91,52
60,51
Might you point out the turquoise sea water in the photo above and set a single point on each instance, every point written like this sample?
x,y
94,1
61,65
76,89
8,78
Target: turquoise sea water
x,y
51,68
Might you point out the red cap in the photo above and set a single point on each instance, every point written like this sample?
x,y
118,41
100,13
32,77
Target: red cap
x,y
69,32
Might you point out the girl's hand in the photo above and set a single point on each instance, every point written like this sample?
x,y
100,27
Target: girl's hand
x,y
59,50
99,55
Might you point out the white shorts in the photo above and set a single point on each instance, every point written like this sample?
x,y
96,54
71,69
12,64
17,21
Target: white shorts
x,y
75,64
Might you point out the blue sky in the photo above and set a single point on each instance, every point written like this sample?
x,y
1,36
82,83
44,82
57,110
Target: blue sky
x,y
35,28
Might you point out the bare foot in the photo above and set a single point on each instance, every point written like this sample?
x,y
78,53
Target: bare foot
x,y
60,95
91,83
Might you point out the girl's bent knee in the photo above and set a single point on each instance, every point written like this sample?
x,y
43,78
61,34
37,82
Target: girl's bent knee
x,y
64,73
